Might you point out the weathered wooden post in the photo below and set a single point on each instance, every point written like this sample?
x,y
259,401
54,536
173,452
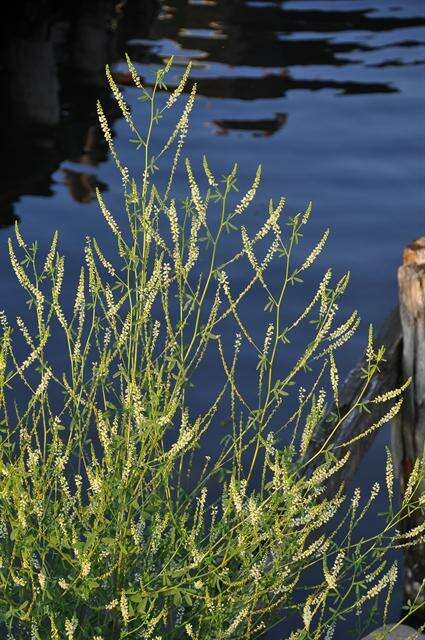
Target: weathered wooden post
x,y
409,429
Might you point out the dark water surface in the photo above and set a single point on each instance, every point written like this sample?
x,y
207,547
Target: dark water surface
x,y
327,95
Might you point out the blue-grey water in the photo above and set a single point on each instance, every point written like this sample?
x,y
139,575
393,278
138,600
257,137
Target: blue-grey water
x,y
327,95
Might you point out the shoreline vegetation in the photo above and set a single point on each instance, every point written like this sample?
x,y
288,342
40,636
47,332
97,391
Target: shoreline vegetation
x,y
116,521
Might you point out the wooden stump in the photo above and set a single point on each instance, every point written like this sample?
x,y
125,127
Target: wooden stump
x,y
409,429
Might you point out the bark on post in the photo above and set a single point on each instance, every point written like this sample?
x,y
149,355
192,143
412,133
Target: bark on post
x,y
409,431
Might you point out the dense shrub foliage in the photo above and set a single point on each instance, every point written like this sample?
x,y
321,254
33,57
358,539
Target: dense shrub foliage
x,y
114,522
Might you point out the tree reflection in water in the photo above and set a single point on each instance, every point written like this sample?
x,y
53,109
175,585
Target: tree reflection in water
x,y
54,58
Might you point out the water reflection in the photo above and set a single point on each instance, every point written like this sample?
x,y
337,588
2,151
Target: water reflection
x,y
52,73
263,127
54,58
268,38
